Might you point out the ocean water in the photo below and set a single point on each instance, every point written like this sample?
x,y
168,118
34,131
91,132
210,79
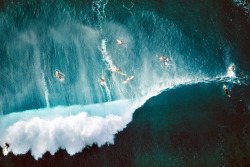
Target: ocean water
x,y
176,115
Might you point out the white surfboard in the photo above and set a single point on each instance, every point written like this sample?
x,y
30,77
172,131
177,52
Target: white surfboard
x,y
102,83
128,79
230,72
5,151
120,42
167,64
224,87
61,74
114,69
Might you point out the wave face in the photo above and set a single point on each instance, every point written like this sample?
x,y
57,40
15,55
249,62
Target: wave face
x,y
80,41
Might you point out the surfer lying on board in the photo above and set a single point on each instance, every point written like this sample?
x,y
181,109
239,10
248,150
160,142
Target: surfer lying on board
x,y
128,79
165,60
7,146
114,69
120,42
58,75
227,91
117,70
102,81
232,68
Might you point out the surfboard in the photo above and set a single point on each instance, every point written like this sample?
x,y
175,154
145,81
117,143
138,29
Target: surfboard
x,y
130,78
224,87
166,64
230,72
5,151
120,42
61,74
102,83
113,69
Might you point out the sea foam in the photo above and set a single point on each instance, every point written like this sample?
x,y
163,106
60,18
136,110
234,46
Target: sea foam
x,y
70,128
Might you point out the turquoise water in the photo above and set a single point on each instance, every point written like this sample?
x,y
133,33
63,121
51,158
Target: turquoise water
x,y
166,116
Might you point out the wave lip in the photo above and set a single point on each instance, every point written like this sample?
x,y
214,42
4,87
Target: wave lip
x,y
73,132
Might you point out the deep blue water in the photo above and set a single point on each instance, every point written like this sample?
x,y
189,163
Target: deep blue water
x,y
175,115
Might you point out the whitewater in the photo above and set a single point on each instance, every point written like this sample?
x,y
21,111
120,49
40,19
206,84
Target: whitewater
x,y
41,114
74,127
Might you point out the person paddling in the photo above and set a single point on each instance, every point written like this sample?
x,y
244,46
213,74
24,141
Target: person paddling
x,y
164,59
102,81
120,42
128,79
58,75
227,91
232,68
6,146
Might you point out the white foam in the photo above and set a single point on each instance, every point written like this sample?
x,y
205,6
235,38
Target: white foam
x,y
230,72
53,128
105,55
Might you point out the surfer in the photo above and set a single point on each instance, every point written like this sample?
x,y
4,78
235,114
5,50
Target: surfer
x,y
232,68
58,75
6,146
114,69
120,42
227,91
102,81
128,79
165,60
117,70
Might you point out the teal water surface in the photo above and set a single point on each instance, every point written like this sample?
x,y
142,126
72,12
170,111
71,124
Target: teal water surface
x,y
190,123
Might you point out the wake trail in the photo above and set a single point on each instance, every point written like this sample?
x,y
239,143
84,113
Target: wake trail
x,y
106,57
46,92
108,63
99,8
40,78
